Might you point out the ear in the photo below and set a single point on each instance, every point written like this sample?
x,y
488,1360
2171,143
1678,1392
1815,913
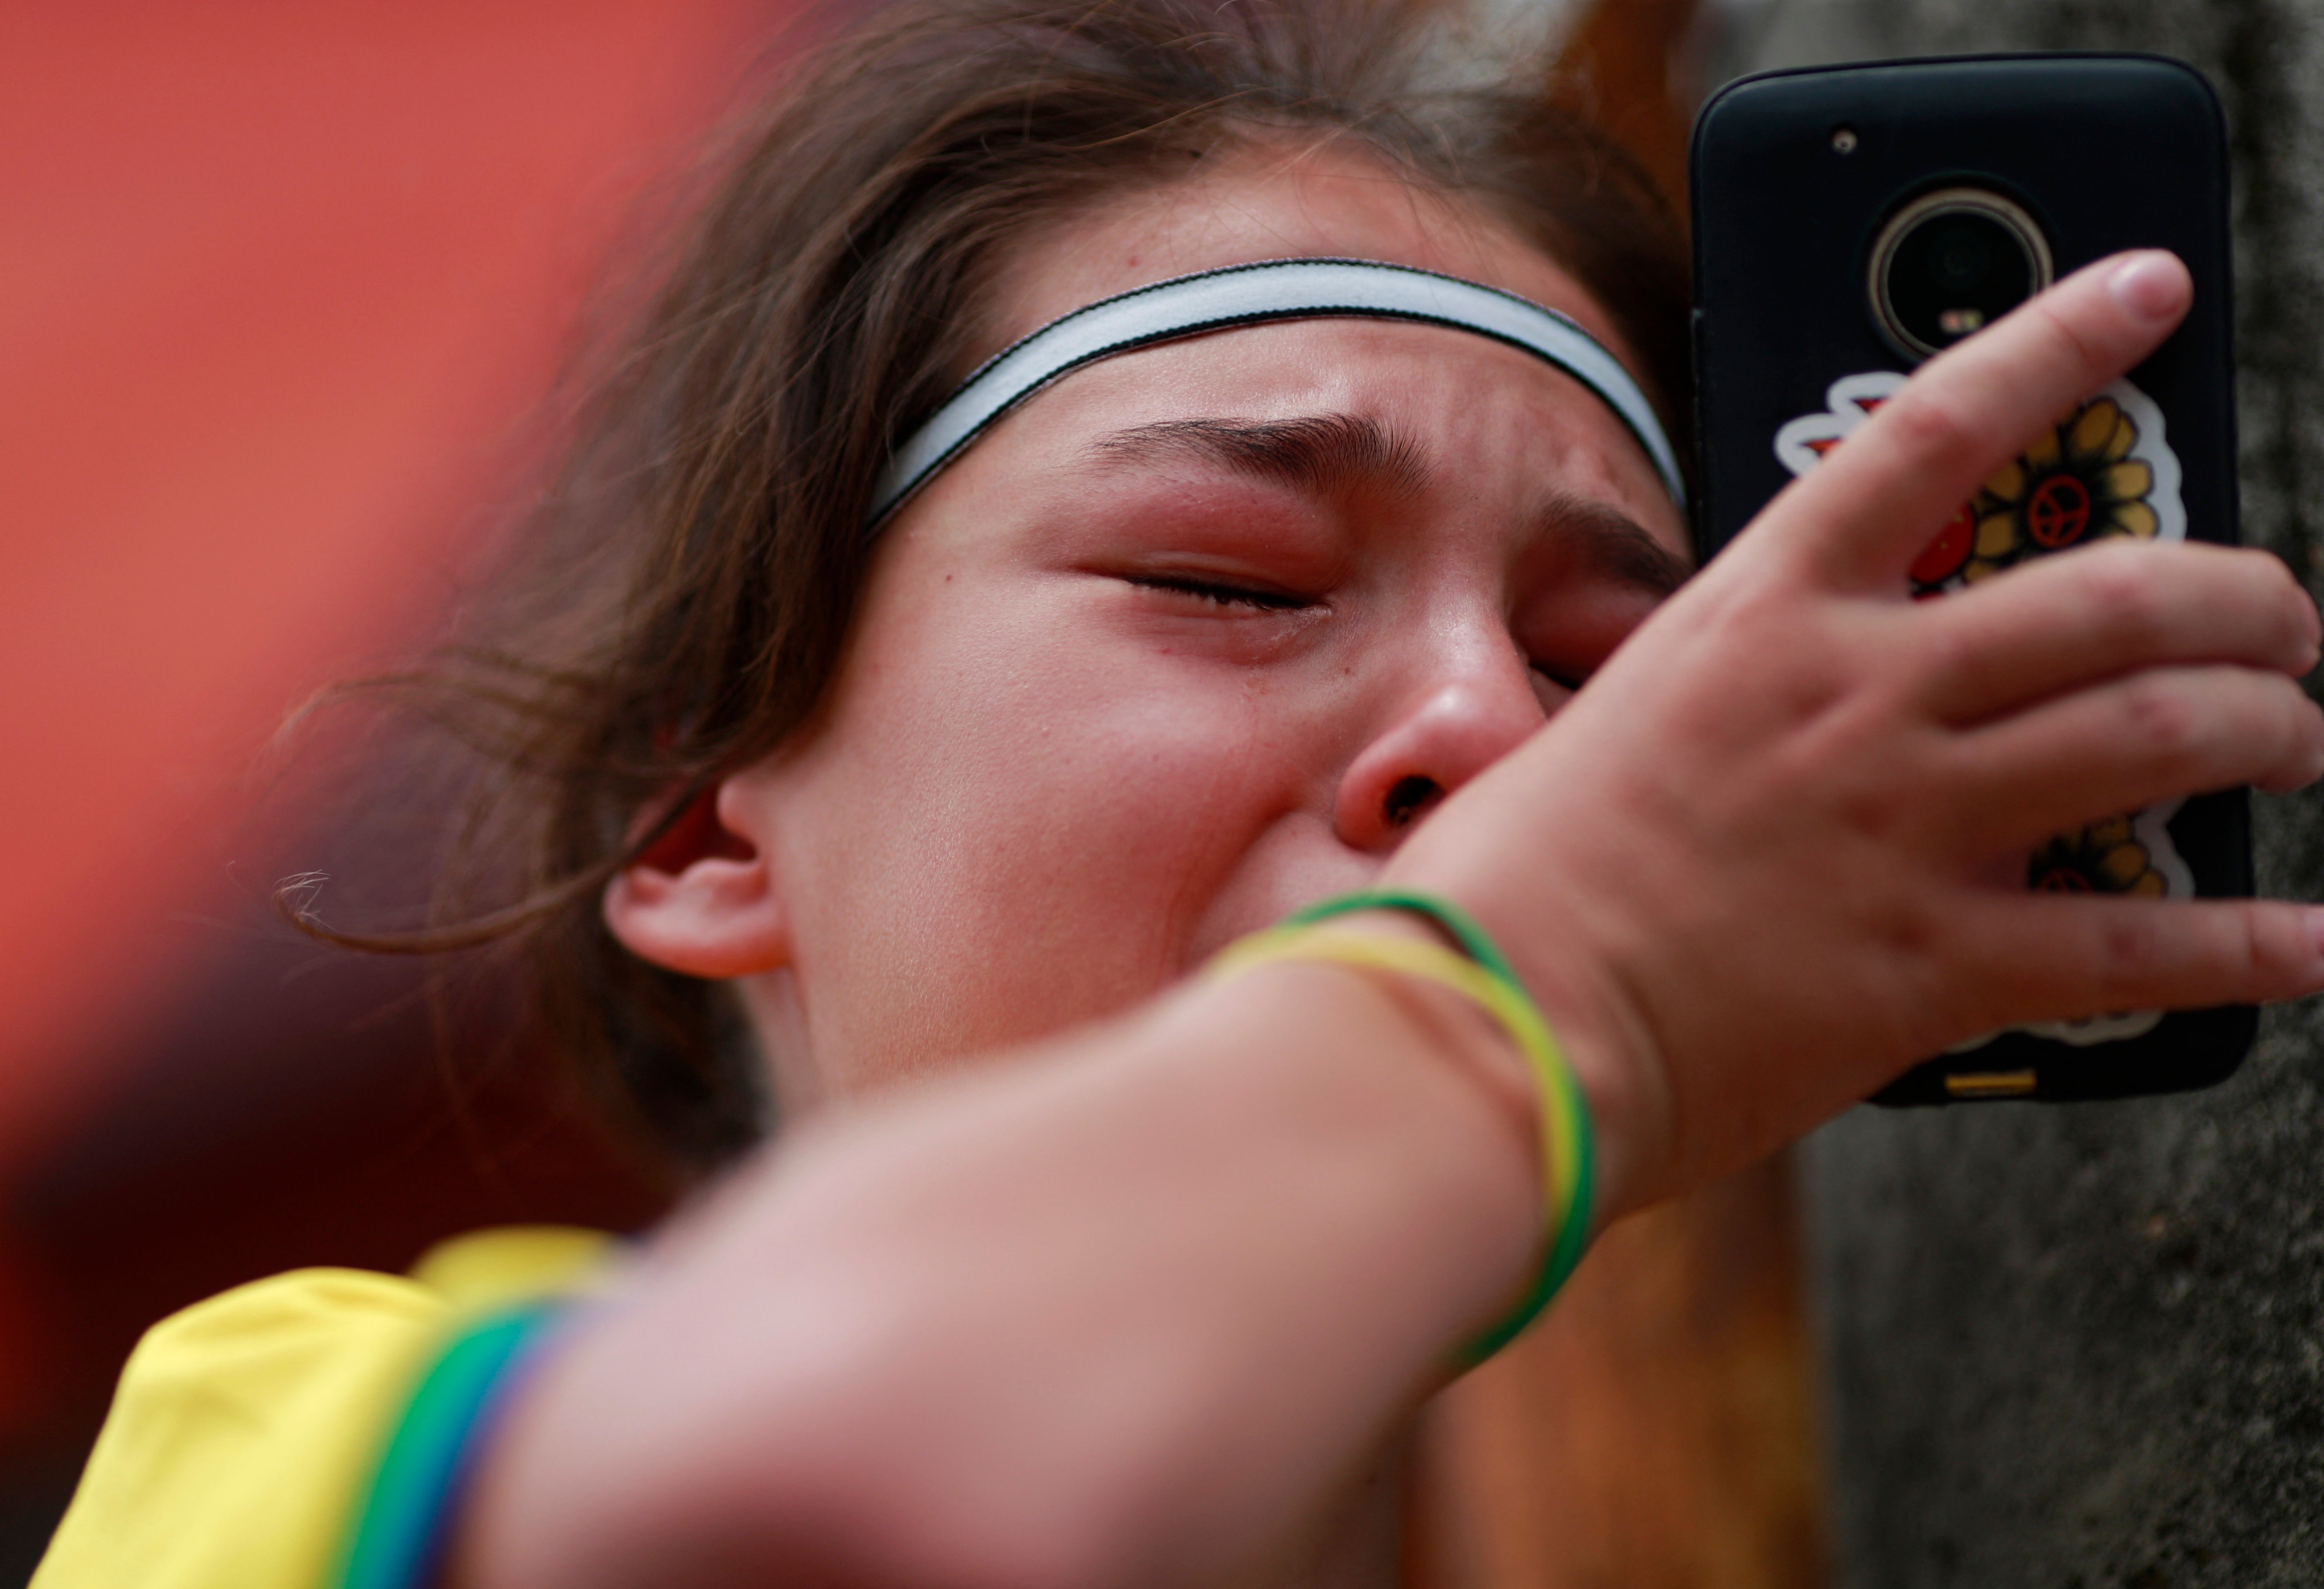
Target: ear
x,y
702,899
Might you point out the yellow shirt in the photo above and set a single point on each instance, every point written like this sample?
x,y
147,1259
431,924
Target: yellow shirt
x,y
246,1428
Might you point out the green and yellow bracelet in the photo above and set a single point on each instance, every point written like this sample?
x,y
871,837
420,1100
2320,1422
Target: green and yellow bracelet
x,y
1568,1147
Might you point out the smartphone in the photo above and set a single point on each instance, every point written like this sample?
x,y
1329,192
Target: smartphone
x,y
1852,221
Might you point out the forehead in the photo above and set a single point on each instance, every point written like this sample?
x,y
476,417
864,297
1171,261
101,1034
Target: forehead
x,y
1495,421
1323,201
1474,402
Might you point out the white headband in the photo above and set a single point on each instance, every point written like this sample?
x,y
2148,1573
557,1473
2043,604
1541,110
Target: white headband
x,y
1250,295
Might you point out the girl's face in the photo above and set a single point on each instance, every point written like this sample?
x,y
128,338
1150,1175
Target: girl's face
x,y
1193,637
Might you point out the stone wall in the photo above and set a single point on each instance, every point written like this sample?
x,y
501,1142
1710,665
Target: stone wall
x,y
2081,1346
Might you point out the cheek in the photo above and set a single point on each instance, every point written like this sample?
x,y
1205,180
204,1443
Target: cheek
x,y
1028,831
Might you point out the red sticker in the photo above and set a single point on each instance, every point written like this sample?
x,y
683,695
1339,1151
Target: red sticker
x,y
1943,557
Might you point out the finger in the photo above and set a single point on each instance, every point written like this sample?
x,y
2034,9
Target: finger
x,y
2067,958
2092,615
2154,736
1868,509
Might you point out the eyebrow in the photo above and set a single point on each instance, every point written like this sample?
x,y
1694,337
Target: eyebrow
x,y
1614,544
1313,453
1320,451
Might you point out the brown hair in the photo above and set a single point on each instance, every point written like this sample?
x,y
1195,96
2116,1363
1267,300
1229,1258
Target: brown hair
x,y
700,559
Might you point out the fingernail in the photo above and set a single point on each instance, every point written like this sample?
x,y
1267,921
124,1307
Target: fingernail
x,y
2151,284
2316,927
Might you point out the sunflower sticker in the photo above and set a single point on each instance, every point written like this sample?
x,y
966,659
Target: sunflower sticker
x,y
2116,856
2103,472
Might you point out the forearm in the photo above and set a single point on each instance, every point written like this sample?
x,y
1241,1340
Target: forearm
x,y
1117,1312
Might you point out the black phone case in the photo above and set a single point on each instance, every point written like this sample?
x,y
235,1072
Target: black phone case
x,y
2104,153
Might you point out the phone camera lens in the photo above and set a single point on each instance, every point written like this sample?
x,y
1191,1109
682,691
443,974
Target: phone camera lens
x,y
1950,263
1961,257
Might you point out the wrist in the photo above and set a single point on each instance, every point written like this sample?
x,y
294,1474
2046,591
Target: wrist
x,y
1609,1045
1467,1045
1463,1033
1469,964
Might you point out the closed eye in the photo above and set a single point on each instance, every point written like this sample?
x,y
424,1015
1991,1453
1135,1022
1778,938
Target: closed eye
x,y
1213,593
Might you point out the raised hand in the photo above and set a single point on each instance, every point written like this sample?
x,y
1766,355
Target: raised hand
x,y
1775,853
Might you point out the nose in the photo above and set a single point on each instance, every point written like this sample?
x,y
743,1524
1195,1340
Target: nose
x,y
1466,715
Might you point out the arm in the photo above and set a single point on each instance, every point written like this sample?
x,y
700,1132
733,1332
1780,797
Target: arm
x,y
1109,1312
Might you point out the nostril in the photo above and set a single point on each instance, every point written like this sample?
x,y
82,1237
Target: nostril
x,y
1409,799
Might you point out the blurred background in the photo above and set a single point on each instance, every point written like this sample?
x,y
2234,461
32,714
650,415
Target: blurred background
x,y
287,289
